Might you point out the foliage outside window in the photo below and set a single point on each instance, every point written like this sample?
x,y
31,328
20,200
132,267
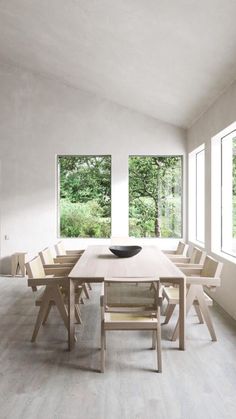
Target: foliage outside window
x,y
155,196
228,194
84,196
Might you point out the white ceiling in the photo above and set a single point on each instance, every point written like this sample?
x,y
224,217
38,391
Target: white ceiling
x,y
166,58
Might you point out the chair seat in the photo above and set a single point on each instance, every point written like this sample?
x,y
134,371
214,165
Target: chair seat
x,y
172,296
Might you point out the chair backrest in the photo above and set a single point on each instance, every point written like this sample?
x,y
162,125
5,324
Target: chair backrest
x,y
46,256
60,249
131,294
211,268
198,256
182,248
35,268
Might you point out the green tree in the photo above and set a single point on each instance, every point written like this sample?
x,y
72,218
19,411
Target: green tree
x,y
85,180
155,185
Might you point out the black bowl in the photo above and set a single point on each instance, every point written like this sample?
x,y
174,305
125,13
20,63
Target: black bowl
x,y
125,251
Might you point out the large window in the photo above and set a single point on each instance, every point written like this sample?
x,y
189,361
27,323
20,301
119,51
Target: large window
x,y
197,195
228,193
84,196
155,196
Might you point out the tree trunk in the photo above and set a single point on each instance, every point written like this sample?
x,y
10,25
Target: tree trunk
x,y
157,223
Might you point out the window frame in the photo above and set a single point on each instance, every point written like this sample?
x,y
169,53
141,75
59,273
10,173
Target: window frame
x,y
58,156
181,156
193,195
216,193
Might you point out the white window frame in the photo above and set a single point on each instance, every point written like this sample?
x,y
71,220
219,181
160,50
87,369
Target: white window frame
x,y
193,196
217,192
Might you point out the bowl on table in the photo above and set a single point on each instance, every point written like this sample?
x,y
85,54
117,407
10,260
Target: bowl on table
x,y
125,251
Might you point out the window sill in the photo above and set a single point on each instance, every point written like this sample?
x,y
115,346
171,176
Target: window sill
x,y
224,256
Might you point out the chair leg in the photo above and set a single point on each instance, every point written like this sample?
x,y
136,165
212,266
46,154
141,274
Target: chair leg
x,y
105,340
154,339
102,347
41,314
86,291
189,301
89,286
199,314
158,343
77,314
169,312
206,313
57,297
47,314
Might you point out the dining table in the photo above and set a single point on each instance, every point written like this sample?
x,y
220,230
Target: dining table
x,y
97,262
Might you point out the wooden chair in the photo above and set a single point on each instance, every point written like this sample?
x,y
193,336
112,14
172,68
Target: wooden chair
x,y
54,282
181,250
70,256
196,278
66,261
49,261
124,306
61,251
196,259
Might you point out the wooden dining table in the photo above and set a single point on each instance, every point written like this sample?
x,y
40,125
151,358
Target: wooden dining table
x,y
97,263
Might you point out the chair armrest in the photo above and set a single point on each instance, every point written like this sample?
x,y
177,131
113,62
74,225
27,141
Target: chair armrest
x,y
57,271
169,252
66,258
189,265
180,259
62,260
59,265
203,280
191,271
74,252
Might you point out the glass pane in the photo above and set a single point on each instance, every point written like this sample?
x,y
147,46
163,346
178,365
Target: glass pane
x,y
85,196
200,196
155,196
228,196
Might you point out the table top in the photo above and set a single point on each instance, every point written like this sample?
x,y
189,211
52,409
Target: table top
x,y
97,262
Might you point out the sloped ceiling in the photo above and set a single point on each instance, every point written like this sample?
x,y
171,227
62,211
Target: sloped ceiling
x,y
169,59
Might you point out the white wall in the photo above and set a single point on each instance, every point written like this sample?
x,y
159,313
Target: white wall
x,y
220,115
41,118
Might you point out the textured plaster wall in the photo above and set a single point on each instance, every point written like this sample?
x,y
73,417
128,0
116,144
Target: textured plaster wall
x,y
40,118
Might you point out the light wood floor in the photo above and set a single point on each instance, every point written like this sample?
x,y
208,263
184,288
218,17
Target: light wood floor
x,y
43,380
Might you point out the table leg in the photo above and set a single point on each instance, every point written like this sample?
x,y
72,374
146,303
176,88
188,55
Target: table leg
x,y
71,315
182,312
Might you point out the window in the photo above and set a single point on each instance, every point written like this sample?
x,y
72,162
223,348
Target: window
x,y
223,188
228,194
84,196
155,196
197,195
